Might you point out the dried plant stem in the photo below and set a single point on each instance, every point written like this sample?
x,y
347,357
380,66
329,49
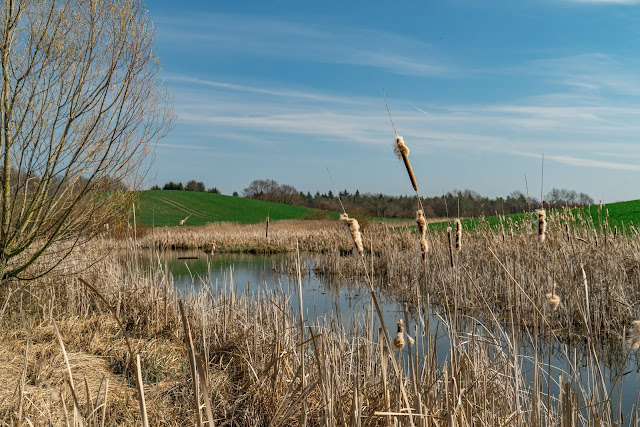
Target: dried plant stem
x,y
303,411
451,259
383,368
143,405
192,365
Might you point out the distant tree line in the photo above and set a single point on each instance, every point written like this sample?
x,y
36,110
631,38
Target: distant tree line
x,y
463,203
192,185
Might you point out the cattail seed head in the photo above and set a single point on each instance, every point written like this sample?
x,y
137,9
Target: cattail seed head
x,y
402,151
424,248
354,229
422,223
458,235
635,334
410,340
422,229
542,224
553,300
398,341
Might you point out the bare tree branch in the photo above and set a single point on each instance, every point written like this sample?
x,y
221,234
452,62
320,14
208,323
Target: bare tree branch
x,y
80,108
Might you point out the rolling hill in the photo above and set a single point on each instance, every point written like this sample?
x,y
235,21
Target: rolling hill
x,y
166,207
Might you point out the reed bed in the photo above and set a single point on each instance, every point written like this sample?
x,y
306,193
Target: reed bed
x,y
254,349
514,271
281,236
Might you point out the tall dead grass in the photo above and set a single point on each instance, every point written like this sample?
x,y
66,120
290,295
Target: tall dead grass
x,y
254,361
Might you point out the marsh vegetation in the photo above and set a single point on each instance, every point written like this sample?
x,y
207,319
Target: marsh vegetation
x,y
258,362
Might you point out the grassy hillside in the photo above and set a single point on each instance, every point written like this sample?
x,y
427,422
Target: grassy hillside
x,y
621,214
164,207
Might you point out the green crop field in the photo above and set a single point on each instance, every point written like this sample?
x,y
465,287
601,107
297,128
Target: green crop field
x,y
166,207
620,214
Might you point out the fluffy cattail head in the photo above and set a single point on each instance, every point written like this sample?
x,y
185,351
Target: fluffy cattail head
x,y
354,229
553,300
422,223
424,248
542,224
458,235
453,264
635,334
398,341
400,149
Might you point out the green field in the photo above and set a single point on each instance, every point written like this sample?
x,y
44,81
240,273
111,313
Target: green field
x,y
620,214
166,207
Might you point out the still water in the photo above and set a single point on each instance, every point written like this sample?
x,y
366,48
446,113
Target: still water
x,y
351,304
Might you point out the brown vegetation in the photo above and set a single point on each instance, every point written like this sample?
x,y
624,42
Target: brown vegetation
x,y
252,349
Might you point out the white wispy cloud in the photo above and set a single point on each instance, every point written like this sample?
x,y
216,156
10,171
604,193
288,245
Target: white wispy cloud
x,y
584,162
567,131
211,33
286,93
594,72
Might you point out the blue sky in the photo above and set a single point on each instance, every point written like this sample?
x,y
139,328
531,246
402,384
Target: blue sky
x,y
478,89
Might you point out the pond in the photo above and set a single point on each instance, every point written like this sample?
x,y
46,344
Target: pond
x,y
331,298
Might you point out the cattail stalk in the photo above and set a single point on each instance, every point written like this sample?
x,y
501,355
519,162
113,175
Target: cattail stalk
x,y
453,264
458,235
422,230
542,224
354,229
266,233
403,153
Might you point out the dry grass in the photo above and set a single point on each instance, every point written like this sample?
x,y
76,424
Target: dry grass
x,y
254,348
312,236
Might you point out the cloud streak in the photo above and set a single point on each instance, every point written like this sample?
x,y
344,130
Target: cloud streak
x,y
250,114
266,37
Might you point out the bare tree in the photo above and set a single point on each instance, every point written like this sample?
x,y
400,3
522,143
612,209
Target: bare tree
x,y
80,107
